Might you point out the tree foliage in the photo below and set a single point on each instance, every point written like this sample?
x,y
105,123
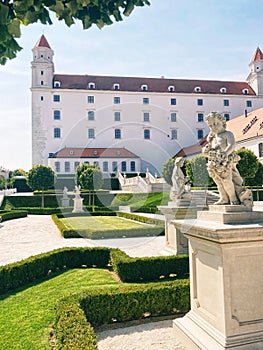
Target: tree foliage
x,y
89,177
197,173
13,13
248,163
257,180
167,170
41,178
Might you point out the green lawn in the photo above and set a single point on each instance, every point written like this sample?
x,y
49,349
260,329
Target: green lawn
x,y
26,314
137,200
101,223
97,227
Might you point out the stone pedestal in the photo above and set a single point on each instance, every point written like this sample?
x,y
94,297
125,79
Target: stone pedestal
x,y
78,205
65,202
175,241
226,268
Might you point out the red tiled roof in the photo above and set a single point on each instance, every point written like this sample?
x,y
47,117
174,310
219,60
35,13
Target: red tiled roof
x,y
42,42
154,84
72,152
191,150
258,55
247,126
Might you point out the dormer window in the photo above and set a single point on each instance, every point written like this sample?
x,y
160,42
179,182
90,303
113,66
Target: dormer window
x,y
56,84
95,153
245,91
116,86
223,90
144,87
197,89
71,152
171,88
91,86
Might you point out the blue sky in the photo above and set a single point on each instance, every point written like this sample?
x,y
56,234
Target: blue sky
x,y
192,39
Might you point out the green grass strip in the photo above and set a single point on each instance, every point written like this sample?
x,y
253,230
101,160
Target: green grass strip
x,y
26,314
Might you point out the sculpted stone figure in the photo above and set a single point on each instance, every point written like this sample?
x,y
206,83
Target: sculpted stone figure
x,y
178,180
222,162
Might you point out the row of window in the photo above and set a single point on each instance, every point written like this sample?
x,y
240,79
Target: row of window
x,y
125,166
146,101
144,87
118,134
146,116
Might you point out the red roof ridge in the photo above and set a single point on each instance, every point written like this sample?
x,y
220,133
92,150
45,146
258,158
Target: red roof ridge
x,y
42,42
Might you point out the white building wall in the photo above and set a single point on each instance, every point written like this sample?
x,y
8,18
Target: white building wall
x,y
74,123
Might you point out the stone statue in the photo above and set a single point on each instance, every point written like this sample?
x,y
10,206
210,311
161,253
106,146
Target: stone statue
x,y
178,181
65,193
222,162
77,191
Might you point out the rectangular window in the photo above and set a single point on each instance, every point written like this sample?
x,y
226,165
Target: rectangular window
x,y
200,117
145,100
56,115
174,134
249,103
199,102
91,115
57,167
133,166
67,167
226,103
56,98
105,166
116,100
147,134
91,99
227,116
173,101
42,72
117,133
173,117
91,133
260,149
123,166
76,164
41,98
200,134
146,117
117,116
57,133
114,166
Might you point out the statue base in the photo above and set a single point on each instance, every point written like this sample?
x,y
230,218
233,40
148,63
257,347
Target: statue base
x,y
65,202
226,285
78,205
175,241
231,214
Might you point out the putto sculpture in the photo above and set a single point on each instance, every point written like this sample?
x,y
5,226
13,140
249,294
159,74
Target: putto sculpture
x,y
179,181
222,163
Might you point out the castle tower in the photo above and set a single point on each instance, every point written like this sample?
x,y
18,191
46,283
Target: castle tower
x,y
42,64
42,68
255,77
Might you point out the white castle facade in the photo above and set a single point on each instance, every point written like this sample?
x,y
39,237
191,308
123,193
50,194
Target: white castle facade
x,y
152,118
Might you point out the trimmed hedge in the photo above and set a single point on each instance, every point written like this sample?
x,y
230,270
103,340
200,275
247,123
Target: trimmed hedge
x,y
13,214
20,273
140,218
148,268
76,314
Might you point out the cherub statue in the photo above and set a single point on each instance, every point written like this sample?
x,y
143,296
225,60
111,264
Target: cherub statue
x,y
222,162
178,180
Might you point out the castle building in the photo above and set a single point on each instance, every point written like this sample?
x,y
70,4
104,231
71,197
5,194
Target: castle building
x,y
152,118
